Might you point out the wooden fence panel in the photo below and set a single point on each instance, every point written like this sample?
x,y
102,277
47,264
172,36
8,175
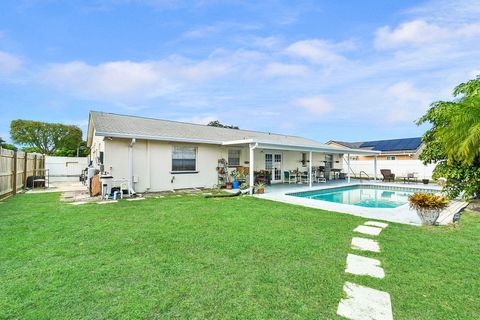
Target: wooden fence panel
x,y
15,167
6,170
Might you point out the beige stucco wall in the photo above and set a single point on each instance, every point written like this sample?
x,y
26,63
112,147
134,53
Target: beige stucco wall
x,y
98,145
152,162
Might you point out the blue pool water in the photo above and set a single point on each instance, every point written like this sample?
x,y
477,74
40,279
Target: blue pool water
x,y
369,196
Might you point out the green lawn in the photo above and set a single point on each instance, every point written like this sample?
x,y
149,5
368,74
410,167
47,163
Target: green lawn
x,y
194,258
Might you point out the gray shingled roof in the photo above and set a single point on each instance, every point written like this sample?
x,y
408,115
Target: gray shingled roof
x,y
110,124
354,145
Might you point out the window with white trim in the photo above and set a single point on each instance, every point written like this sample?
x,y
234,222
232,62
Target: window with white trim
x,y
391,158
184,159
234,157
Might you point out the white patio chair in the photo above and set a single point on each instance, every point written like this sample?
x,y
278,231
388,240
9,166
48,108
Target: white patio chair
x,y
290,177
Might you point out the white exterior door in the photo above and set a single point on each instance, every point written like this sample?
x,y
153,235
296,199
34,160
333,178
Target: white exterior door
x,y
273,163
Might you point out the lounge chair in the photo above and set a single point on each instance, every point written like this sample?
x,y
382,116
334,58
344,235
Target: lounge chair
x,y
304,177
320,178
289,177
387,175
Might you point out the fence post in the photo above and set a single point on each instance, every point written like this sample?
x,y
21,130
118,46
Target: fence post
x,y
14,178
35,166
25,172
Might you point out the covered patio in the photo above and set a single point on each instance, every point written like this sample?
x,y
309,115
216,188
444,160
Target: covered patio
x,y
315,163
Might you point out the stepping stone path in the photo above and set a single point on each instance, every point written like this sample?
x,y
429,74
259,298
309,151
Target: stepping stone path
x,y
77,203
362,302
135,199
376,224
365,244
364,266
371,231
107,202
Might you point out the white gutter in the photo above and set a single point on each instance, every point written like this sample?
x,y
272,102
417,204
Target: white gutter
x,y
300,147
156,138
130,166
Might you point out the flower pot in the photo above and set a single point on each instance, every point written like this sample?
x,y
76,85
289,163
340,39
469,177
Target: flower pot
x,y
228,186
425,181
235,184
260,190
428,217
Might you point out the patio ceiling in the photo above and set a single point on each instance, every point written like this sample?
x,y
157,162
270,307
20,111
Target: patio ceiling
x,y
323,148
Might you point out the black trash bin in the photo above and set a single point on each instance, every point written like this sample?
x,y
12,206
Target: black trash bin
x,y
38,184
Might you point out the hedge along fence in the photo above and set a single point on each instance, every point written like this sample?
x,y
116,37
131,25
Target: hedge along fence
x,y
15,168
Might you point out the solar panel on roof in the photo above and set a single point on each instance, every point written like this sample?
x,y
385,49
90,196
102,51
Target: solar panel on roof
x,y
395,144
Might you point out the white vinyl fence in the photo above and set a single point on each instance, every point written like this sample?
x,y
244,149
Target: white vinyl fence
x,y
65,168
399,167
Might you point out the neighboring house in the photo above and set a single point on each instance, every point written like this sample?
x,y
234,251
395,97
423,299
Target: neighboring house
x,y
394,149
159,155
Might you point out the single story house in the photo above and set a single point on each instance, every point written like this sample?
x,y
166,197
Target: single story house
x,y
393,149
160,155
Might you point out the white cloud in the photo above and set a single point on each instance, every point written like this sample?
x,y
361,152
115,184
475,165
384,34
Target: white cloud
x,y
284,69
420,32
199,119
9,63
315,104
404,102
318,51
447,11
202,32
124,81
265,42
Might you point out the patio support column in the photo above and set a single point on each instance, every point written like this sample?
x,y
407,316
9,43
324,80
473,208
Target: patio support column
x,y
310,169
251,168
375,169
348,167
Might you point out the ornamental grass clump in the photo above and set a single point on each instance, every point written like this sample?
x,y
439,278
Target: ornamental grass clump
x,y
428,206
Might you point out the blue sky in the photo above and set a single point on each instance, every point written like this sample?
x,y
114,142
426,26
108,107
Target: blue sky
x,y
345,70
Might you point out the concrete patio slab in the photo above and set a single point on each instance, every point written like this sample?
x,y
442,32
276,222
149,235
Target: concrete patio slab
x,y
372,231
364,266
376,224
365,244
363,303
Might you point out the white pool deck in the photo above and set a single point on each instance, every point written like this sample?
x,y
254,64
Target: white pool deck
x,y
402,214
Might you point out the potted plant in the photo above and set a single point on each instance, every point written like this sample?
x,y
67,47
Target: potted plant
x,y
235,183
428,206
260,188
244,186
425,181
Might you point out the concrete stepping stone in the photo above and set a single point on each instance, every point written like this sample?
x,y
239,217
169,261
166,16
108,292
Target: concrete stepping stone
x,y
364,266
365,244
107,202
376,224
372,231
363,303
77,203
135,199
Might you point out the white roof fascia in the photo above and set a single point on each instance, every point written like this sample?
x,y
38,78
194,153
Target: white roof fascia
x,y
157,138
282,146
236,142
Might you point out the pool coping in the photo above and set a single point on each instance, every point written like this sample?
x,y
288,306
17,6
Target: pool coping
x,y
401,214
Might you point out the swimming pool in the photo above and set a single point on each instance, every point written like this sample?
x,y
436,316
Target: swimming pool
x,y
369,196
